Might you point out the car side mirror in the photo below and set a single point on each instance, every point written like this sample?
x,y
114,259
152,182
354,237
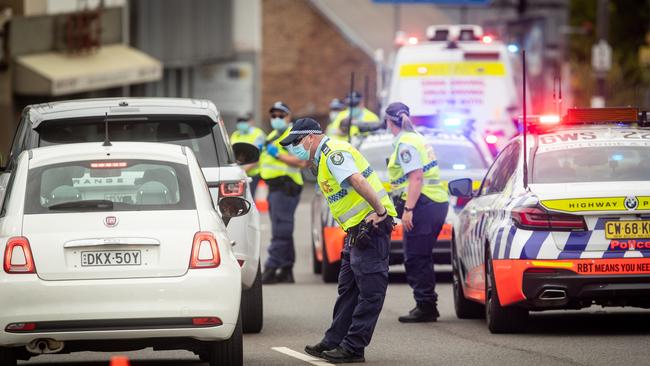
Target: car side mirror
x,y
461,187
245,153
233,207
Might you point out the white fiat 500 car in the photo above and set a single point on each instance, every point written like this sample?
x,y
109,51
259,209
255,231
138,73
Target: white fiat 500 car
x,y
195,124
115,248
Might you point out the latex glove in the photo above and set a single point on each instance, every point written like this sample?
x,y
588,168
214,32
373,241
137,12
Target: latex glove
x,y
272,150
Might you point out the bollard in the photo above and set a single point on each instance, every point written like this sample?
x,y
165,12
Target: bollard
x,y
262,192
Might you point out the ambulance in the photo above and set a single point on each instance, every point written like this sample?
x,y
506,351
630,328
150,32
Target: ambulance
x,y
459,73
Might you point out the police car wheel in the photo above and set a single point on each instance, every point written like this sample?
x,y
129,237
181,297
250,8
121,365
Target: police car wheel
x,y
7,357
330,270
500,319
228,352
252,306
465,309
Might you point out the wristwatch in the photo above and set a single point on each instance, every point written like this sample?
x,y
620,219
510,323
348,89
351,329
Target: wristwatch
x,y
384,214
407,209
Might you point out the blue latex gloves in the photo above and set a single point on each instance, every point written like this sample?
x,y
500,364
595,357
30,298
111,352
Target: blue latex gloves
x,y
272,150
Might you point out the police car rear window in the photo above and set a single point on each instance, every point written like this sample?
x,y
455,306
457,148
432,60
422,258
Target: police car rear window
x,y
202,136
600,163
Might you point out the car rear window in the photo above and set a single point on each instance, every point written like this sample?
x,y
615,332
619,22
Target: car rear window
x,y
204,137
600,163
125,185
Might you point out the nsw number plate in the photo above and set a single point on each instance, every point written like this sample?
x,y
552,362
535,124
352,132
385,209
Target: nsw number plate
x,y
111,258
637,229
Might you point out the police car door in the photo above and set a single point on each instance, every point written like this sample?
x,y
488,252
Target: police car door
x,y
483,214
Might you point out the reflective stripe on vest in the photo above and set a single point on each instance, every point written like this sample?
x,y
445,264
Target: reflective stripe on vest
x,y
347,206
425,169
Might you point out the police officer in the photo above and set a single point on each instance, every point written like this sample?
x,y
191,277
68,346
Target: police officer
x,y
336,106
281,172
248,133
422,202
338,129
363,209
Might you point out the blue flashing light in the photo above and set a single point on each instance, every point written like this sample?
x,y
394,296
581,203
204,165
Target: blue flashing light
x,y
452,122
459,166
617,157
513,48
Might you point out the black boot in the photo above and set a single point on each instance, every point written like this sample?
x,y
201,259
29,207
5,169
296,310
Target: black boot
x,y
269,277
317,349
285,275
423,313
340,355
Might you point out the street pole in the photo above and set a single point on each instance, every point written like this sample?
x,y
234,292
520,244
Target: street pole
x,y
602,24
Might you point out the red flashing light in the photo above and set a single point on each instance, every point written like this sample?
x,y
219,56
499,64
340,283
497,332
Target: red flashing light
x,y
109,165
600,115
413,40
18,256
487,39
205,251
491,139
549,119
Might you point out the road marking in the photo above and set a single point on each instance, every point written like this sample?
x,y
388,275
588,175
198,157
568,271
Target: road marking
x,y
301,356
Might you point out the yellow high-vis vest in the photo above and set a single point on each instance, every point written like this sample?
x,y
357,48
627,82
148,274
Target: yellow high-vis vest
x,y
431,187
333,129
250,138
271,167
348,207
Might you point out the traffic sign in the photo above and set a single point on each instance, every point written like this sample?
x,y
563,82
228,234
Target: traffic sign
x,y
439,2
601,56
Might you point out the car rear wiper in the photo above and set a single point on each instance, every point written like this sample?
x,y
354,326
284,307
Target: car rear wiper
x,y
84,205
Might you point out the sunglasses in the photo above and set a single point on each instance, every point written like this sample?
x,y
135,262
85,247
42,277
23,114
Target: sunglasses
x,y
278,115
297,141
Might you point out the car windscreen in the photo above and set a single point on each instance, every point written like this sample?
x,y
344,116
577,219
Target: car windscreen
x,y
599,163
125,185
451,156
198,134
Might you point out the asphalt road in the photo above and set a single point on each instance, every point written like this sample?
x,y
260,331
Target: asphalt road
x,y
298,314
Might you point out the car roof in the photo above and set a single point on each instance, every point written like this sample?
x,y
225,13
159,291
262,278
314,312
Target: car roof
x,y
37,113
118,150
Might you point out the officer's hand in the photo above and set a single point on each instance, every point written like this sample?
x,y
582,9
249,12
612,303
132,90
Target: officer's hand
x,y
374,219
272,150
407,220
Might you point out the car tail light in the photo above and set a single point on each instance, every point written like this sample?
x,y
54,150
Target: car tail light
x,y
20,327
18,256
108,165
232,189
535,218
207,322
205,251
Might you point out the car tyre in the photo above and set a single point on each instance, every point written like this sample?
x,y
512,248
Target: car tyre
x,y
228,352
330,271
7,357
465,309
501,319
252,306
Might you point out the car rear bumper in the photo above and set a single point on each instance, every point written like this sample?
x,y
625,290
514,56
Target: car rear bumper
x,y
120,308
570,284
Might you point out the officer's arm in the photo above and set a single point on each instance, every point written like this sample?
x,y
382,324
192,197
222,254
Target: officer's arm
x,y
415,187
292,160
361,185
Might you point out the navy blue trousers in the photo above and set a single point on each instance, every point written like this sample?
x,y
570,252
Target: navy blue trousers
x,y
428,218
253,185
363,281
282,208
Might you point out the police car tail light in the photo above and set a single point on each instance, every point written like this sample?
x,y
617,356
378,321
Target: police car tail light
x,y
232,189
535,218
18,256
205,251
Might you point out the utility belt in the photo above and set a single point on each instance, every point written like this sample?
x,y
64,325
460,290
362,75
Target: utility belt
x,y
284,184
361,235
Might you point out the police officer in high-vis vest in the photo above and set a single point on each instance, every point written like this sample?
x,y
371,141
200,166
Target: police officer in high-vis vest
x,y
250,134
361,206
422,202
281,172
340,127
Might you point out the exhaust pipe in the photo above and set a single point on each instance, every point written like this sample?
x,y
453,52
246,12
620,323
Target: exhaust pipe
x,y
44,346
553,295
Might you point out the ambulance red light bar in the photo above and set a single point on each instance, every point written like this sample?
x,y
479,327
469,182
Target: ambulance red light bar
x,y
543,120
108,165
604,115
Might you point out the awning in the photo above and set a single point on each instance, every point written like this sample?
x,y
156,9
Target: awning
x,y
56,73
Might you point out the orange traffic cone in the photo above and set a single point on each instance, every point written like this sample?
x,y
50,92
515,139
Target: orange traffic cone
x,y
119,361
262,192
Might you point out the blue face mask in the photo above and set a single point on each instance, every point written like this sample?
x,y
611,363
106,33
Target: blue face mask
x,y
357,112
278,123
243,127
299,151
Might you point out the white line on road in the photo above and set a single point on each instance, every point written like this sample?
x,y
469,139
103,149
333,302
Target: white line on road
x,y
301,356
